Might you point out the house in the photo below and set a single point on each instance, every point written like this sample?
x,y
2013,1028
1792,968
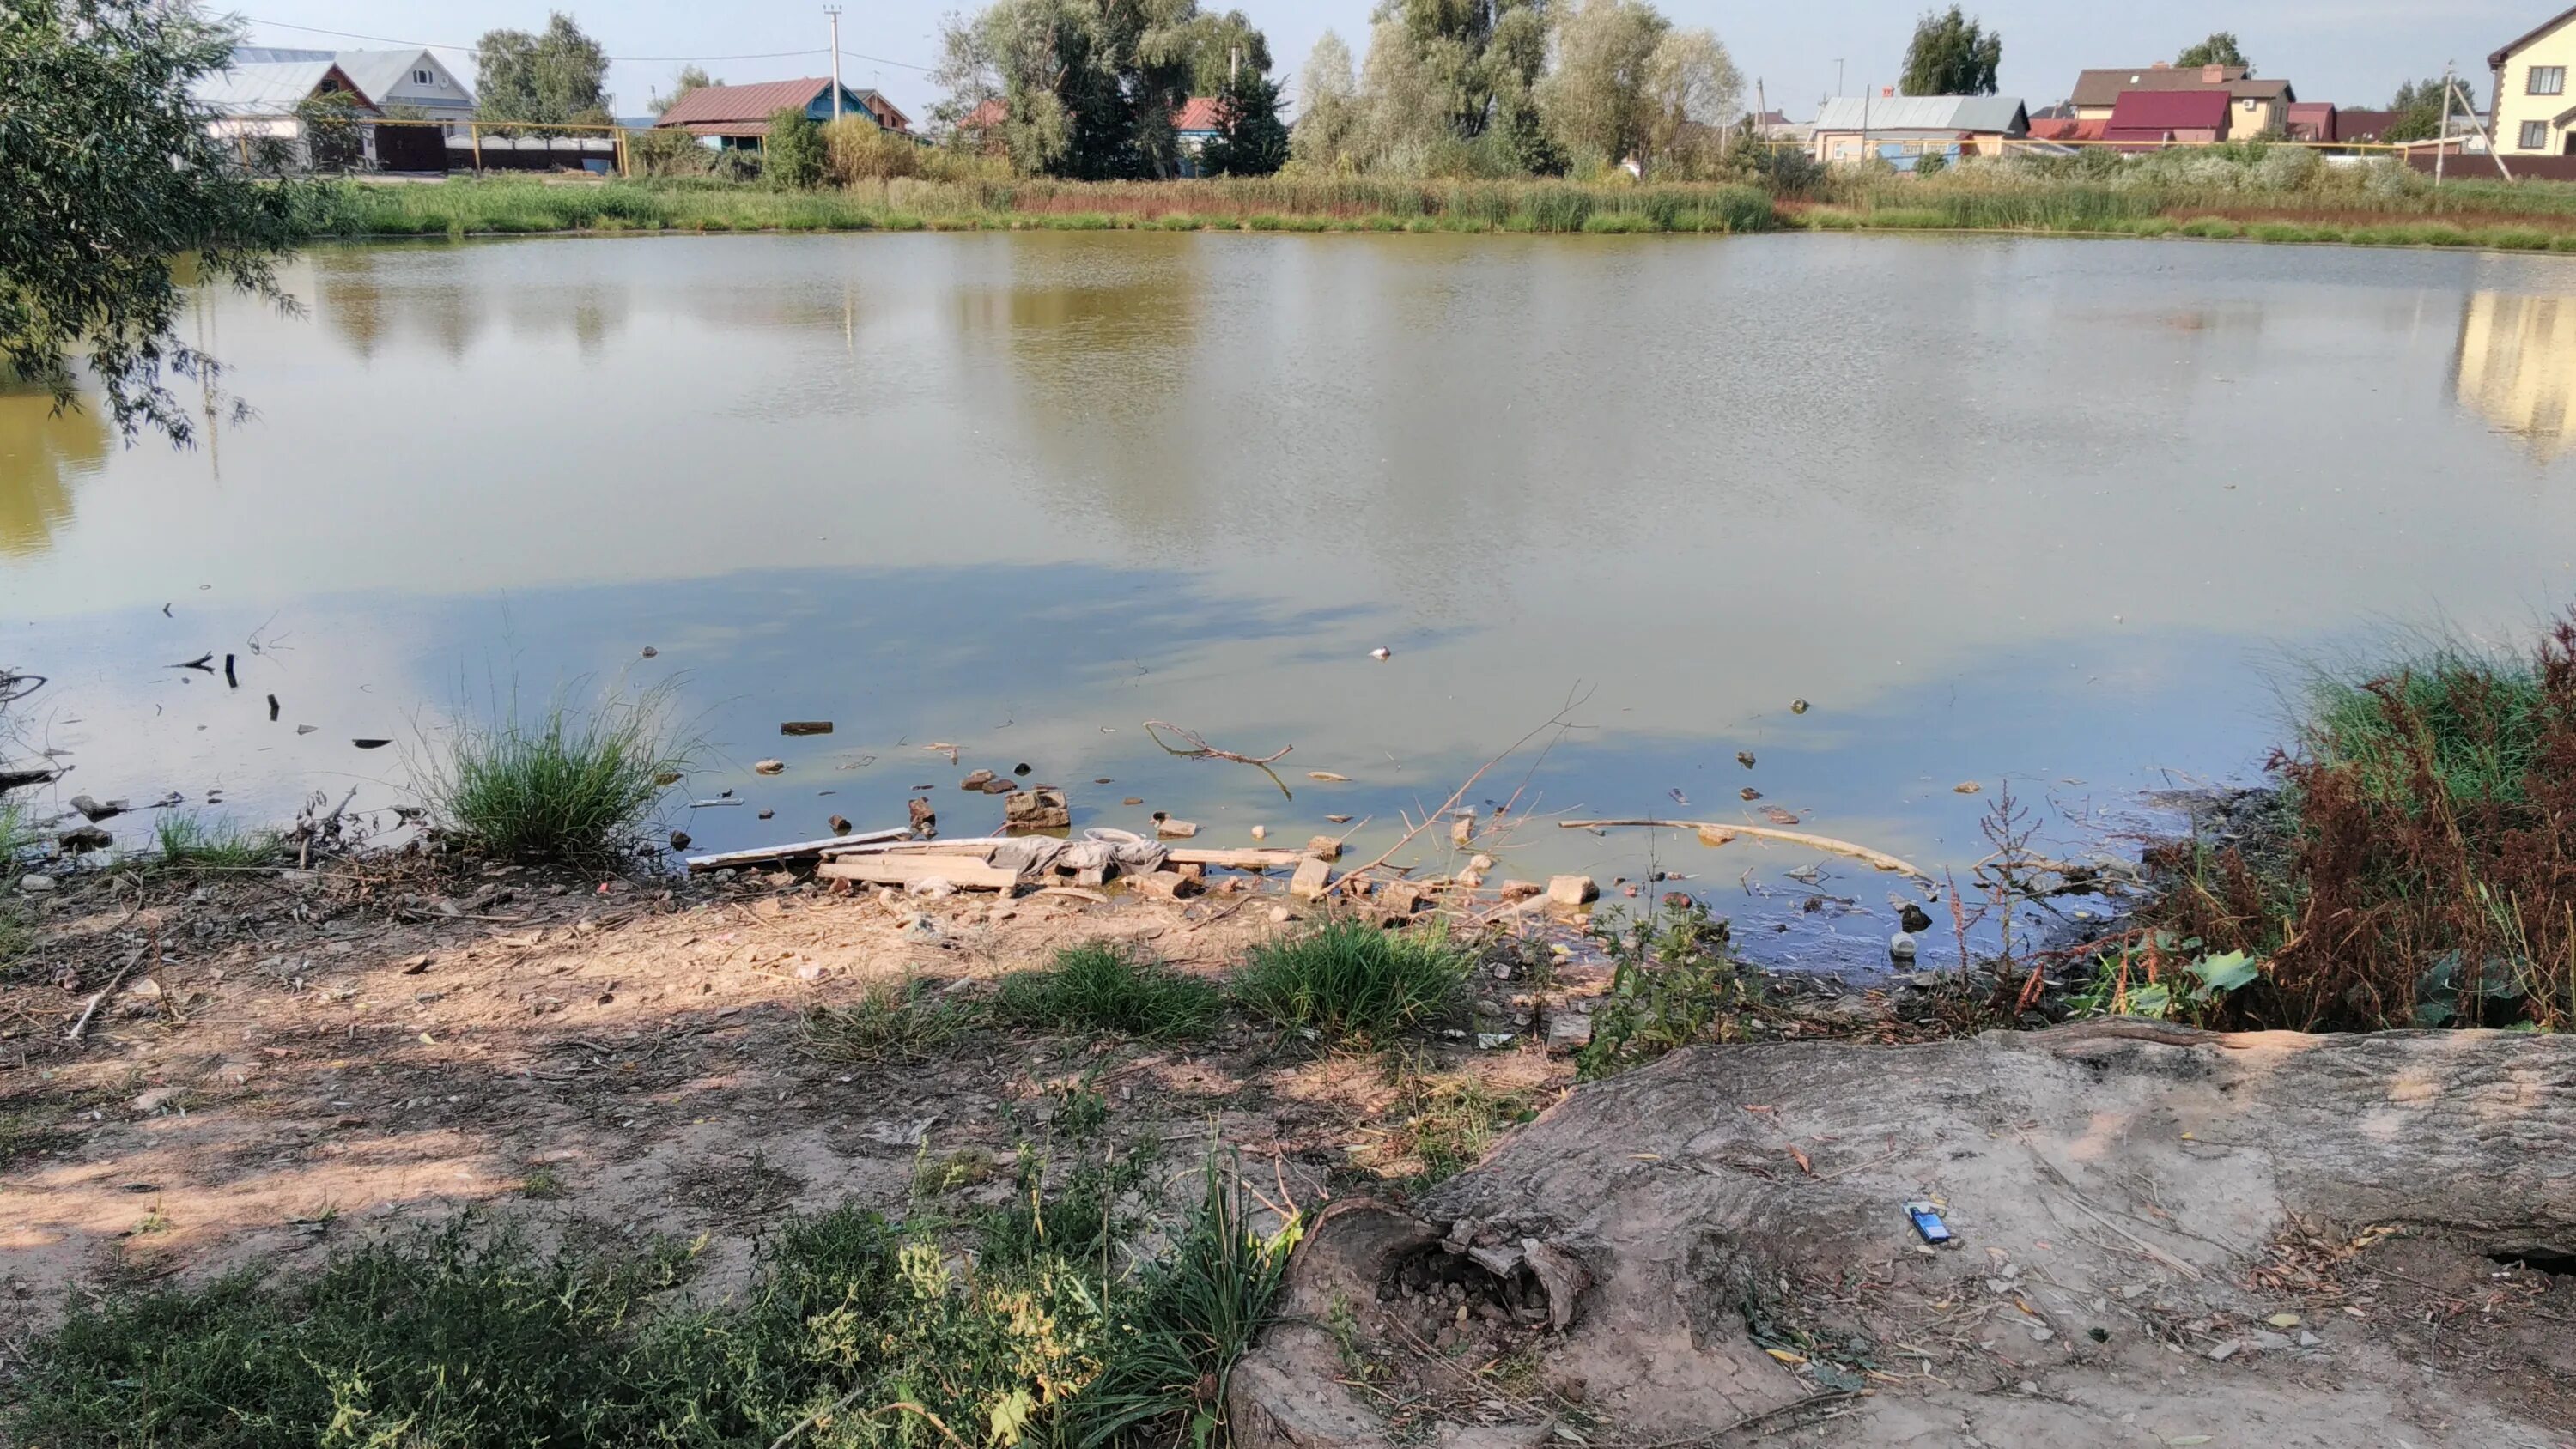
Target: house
x,y
2141,119
406,85
737,117
2362,128
2065,128
2062,111
2257,107
254,104
2533,113
1899,128
2312,121
1195,124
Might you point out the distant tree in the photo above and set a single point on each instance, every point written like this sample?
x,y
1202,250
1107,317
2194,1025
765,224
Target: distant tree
x,y
2219,49
1594,98
1328,115
1251,140
1088,87
1219,47
1951,55
559,77
792,156
107,175
691,78
1692,86
2418,105
333,140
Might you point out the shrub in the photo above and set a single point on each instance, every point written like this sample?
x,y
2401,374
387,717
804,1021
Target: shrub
x,y
792,153
565,787
1348,979
1113,987
1673,983
856,148
2288,168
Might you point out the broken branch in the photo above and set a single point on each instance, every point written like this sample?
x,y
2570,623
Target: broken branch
x,y
1717,832
1200,749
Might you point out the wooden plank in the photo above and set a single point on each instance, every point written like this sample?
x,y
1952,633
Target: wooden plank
x,y
779,854
963,871
1246,859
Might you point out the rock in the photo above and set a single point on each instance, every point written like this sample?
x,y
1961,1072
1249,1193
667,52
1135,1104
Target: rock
x,y
1568,1029
1040,807
1164,885
769,767
154,1100
82,838
936,887
840,824
92,810
1001,787
36,885
1171,829
650,651
924,819
1521,890
1261,832
1967,787
1133,800
1900,947
768,814
2225,1351
805,727
2270,1342
1744,758
1571,890
1313,877
1462,830
976,781
679,840
1401,897
1324,847
1925,980
2308,1339
1912,917
1279,915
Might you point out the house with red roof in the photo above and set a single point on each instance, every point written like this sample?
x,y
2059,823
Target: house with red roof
x,y
2140,119
738,116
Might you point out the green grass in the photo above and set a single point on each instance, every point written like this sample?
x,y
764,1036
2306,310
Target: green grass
x,y
199,842
2476,717
1108,986
463,206
1444,1126
893,1021
570,785
1348,980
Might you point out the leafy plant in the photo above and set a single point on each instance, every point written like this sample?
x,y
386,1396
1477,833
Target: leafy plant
x,y
569,785
1349,979
1673,983
2142,982
792,155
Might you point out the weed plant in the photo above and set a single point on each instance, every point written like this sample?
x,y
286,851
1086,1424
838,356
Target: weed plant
x,y
1674,983
1349,980
892,1021
199,842
1108,986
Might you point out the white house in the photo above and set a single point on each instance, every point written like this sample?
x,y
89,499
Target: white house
x,y
404,85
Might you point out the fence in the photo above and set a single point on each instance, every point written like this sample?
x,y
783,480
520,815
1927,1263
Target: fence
x,y
390,143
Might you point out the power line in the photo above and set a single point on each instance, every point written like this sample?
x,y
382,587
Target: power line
x,y
632,59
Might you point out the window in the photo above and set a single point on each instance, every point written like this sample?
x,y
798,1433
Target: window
x,y
424,77
2535,135
2547,80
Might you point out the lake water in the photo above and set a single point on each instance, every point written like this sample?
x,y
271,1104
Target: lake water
x,y
2047,511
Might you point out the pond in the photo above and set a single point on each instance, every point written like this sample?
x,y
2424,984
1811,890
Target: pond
x,y
2061,514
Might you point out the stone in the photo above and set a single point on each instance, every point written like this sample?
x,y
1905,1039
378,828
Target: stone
x,y
1925,980
1480,861
1325,847
2225,1351
92,810
1568,1029
2270,1342
1040,807
1171,829
976,781
924,819
1313,877
2308,1339
1462,830
36,885
936,887
1401,897
769,767
1279,915
1261,832
1521,890
153,1100
82,838
1000,786
680,840
1166,885
1571,890
840,824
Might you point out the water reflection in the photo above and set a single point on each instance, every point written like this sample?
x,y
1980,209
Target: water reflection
x,y
43,455
2517,366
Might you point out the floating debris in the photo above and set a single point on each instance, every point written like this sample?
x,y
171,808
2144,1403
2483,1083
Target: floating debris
x,y
1381,654
769,767
1797,706
371,744
805,727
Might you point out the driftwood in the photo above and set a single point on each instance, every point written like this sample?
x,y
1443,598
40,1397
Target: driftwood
x,y
2143,1175
1246,859
1717,832
781,854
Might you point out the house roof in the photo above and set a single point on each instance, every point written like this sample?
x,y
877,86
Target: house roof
x,y
2066,128
1998,114
2496,60
1197,114
2153,113
737,110
2362,125
267,88
377,71
986,114
2104,87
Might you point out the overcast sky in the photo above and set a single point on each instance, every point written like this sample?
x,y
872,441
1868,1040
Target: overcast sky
x,y
2351,52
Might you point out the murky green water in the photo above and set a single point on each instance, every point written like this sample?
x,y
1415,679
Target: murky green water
x,y
2053,511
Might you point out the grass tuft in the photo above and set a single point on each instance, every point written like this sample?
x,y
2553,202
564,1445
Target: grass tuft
x,y
569,785
1109,986
892,1021
1350,980
198,842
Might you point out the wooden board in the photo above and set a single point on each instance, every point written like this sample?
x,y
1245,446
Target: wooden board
x,y
1247,859
966,872
798,850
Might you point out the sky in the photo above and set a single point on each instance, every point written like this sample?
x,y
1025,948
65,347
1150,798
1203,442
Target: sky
x,y
2351,52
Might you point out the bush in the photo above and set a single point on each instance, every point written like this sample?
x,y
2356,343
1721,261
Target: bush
x,y
1113,987
792,153
1348,979
856,148
566,787
889,1021
2288,168
1673,983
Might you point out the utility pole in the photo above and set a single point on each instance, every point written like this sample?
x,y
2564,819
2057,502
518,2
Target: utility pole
x,y
834,11
2442,137
1838,75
